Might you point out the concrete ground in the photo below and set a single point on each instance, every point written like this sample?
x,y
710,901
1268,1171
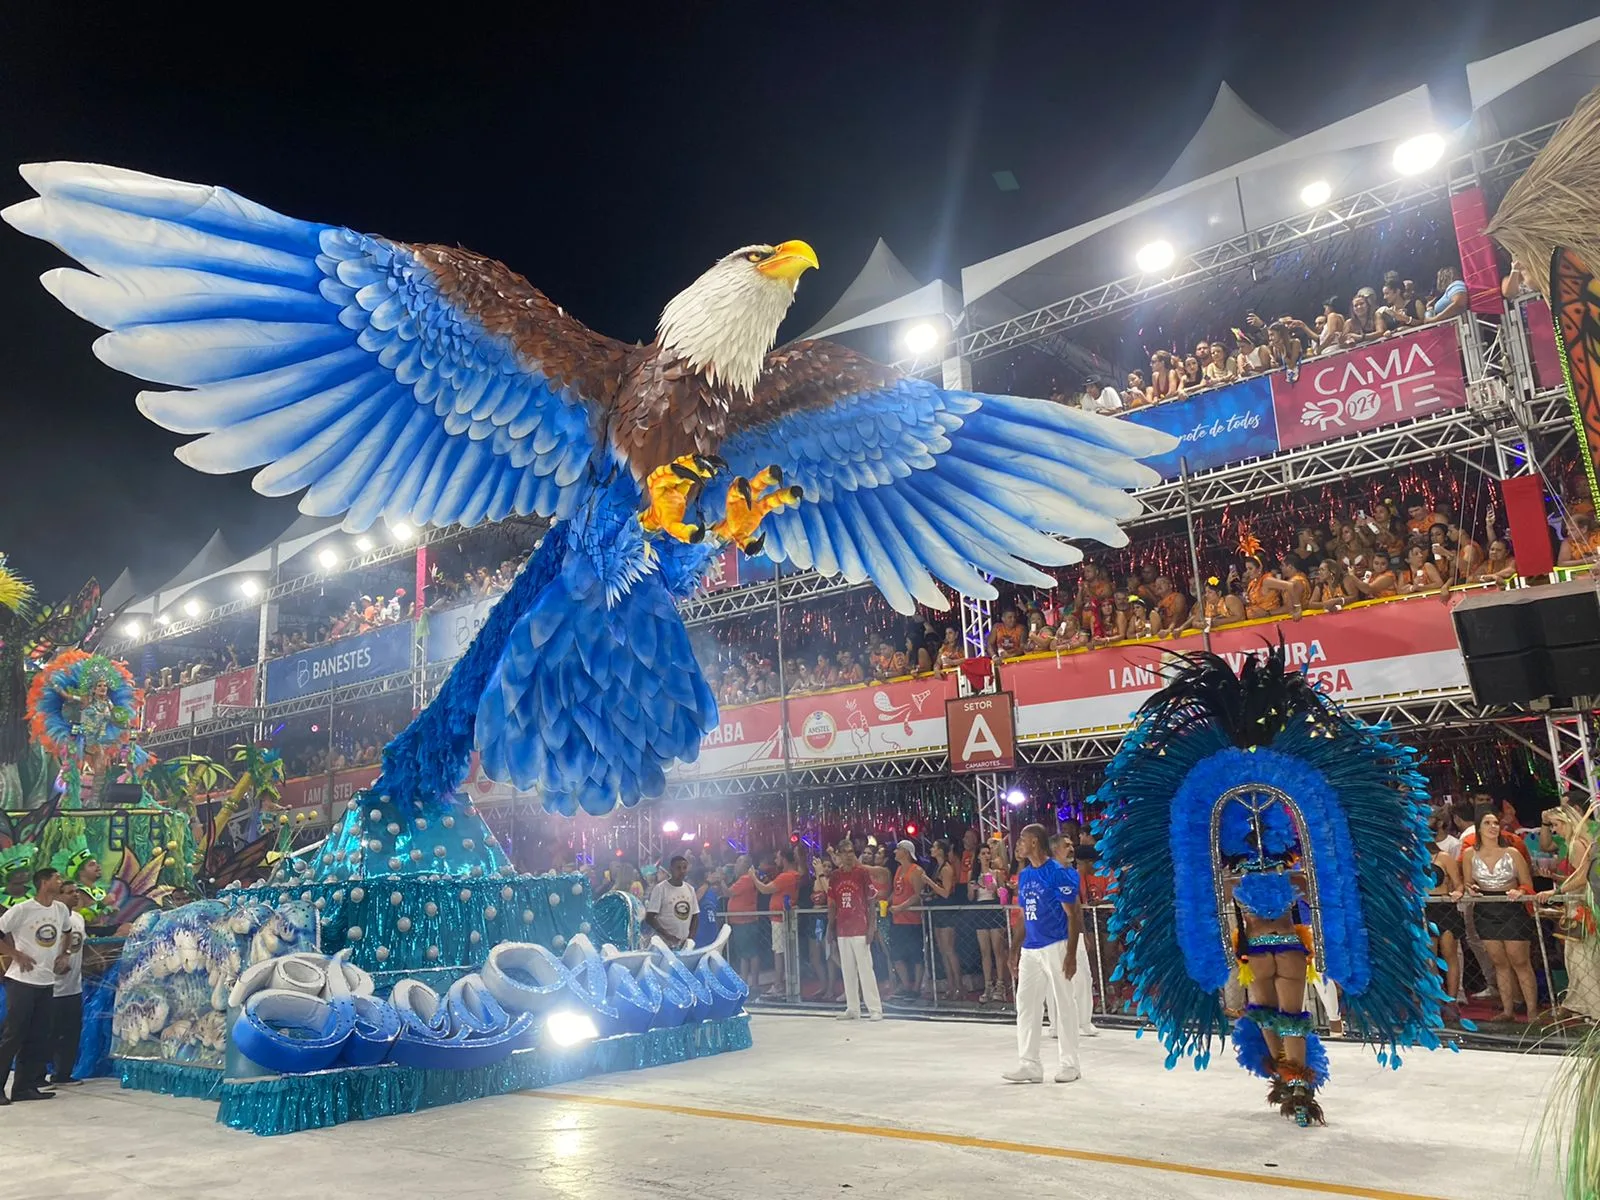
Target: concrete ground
x,y
827,1108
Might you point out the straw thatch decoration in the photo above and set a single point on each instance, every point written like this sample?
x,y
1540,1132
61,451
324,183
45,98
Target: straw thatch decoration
x,y
1557,202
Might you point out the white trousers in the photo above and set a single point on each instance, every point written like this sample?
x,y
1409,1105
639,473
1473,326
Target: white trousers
x,y
1082,985
855,961
1040,974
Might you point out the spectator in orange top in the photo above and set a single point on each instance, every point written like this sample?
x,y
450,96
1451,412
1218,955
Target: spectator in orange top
x,y
882,662
1581,543
1420,575
1135,395
1006,639
1171,607
1097,586
782,889
1290,583
849,671
1259,599
951,652
1499,566
1379,580
1216,608
1420,517
1332,588
1468,554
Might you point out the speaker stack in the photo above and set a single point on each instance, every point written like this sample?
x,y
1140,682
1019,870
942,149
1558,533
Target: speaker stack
x,y
1531,644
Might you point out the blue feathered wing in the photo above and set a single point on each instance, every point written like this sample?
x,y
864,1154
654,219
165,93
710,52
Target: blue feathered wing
x,y
414,383
908,485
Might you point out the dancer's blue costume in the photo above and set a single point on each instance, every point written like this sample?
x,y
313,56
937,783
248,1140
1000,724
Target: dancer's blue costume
x,y
1245,799
426,384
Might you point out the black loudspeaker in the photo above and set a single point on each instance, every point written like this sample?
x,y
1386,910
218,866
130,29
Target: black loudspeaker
x,y
1509,678
121,795
1531,643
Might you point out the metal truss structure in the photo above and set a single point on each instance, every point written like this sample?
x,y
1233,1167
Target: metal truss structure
x,y
1572,751
226,720
1470,434
760,597
1344,215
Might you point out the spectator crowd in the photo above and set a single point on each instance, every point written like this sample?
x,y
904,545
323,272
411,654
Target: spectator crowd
x,y
1260,346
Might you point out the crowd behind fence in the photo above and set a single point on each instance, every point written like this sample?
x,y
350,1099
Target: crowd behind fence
x,y
921,975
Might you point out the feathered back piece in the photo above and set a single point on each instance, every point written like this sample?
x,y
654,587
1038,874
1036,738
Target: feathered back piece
x,y
1354,816
1557,200
1249,707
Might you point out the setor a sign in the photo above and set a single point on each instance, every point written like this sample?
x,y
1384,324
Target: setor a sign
x,y
982,733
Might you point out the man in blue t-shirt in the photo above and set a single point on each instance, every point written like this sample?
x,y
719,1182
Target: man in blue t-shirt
x,y
1453,299
1053,926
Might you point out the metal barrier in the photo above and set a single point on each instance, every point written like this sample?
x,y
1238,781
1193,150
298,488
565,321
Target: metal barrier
x,y
945,967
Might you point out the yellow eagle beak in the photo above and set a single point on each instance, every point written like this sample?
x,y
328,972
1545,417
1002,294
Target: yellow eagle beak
x,y
789,261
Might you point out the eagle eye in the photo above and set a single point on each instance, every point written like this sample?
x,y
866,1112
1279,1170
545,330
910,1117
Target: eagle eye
x,y
754,256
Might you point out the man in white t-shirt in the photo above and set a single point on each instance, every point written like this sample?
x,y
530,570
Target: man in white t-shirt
x,y
1100,398
672,909
32,937
66,1006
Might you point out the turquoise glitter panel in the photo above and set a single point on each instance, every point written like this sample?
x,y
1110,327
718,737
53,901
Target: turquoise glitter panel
x,y
396,924
290,1103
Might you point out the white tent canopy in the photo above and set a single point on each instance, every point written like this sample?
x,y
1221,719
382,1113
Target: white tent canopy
x,y
1231,133
884,291
1534,83
216,561
1349,154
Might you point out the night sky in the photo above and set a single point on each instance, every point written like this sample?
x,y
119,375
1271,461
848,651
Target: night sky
x,y
609,155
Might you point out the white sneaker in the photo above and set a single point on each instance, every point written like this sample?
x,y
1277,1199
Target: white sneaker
x,y
1023,1075
847,1016
875,1017
1050,1032
1089,1031
1068,1075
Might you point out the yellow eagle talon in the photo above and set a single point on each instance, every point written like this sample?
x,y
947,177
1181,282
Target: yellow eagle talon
x,y
747,505
671,489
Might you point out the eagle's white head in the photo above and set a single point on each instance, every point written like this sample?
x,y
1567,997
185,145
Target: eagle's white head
x,y
724,323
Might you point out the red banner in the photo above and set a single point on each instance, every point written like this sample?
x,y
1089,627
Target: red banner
x,y
873,721
311,791
1376,650
196,702
1370,386
1542,345
161,709
1360,654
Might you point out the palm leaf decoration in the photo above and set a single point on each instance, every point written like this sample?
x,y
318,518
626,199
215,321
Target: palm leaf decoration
x,y
258,776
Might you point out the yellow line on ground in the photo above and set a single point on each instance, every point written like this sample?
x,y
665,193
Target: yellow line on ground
x,y
978,1143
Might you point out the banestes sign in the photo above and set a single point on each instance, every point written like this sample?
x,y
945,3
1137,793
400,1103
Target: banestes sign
x,y
983,735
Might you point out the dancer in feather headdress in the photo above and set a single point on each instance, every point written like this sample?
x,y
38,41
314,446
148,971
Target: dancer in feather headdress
x,y
1251,825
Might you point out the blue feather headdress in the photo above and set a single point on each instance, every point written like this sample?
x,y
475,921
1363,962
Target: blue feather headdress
x,y
1351,816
